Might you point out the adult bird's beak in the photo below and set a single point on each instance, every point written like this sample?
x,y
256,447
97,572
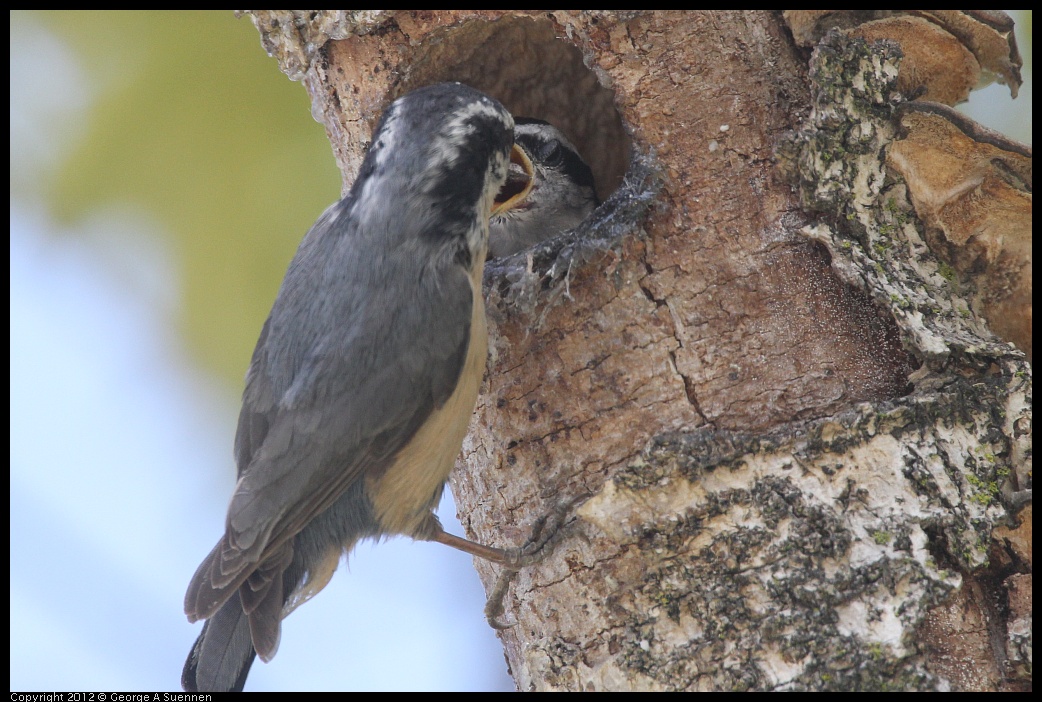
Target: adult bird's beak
x,y
518,184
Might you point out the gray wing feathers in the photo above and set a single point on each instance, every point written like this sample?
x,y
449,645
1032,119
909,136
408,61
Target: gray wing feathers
x,y
338,384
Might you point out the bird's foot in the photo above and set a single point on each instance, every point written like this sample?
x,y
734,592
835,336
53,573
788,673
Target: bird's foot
x,y
534,550
538,547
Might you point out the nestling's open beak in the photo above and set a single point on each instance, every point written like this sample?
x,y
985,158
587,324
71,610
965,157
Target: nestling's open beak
x,y
520,176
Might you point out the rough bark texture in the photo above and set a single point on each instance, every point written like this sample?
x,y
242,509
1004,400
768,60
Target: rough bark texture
x,y
792,437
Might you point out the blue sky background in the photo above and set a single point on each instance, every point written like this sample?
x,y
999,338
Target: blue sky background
x,y
122,427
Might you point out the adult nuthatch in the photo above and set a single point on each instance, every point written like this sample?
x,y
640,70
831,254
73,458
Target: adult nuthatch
x,y
364,378
555,192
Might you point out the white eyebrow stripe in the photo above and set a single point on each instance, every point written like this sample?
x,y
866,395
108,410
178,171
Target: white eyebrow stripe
x,y
461,126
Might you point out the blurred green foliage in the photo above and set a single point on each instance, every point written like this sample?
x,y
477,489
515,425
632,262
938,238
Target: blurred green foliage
x,y
193,121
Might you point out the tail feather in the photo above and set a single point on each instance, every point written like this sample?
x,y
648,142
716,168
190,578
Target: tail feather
x,y
221,658
244,607
265,617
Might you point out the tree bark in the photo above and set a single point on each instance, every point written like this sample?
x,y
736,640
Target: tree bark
x,y
788,435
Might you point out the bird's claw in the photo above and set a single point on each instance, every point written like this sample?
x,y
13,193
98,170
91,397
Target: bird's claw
x,y
538,547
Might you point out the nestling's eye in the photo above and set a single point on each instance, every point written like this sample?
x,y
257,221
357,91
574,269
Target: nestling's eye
x,y
518,182
552,153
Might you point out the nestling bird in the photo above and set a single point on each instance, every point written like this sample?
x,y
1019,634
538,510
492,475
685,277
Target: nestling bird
x,y
364,378
554,196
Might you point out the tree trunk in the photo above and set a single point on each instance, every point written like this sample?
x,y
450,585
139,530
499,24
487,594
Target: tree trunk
x,y
789,433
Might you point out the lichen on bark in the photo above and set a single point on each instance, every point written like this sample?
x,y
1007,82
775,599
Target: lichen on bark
x,y
808,557
962,436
